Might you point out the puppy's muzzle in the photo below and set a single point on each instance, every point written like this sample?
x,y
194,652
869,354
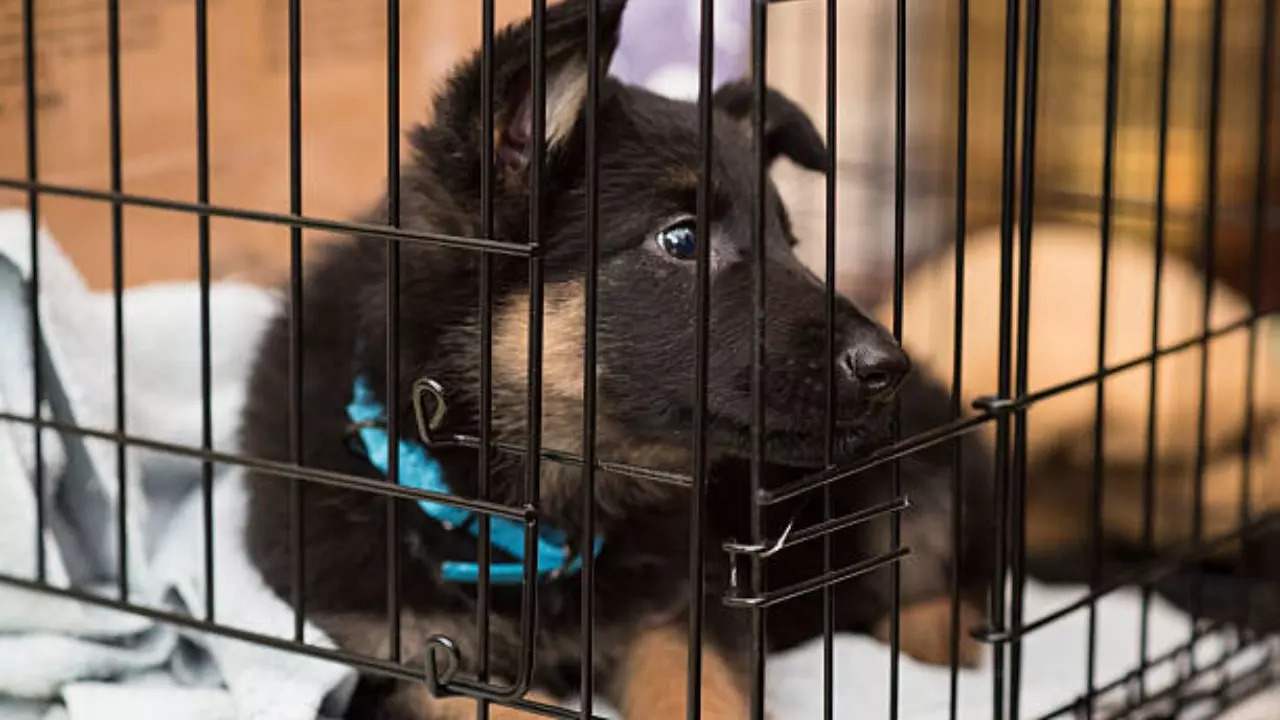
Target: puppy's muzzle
x,y
869,371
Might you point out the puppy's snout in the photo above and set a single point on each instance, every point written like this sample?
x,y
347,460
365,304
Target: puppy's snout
x,y
875,368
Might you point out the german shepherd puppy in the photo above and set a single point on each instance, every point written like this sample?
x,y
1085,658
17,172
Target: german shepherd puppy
x,y
649,157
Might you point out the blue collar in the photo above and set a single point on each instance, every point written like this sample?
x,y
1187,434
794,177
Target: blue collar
x,y
421,471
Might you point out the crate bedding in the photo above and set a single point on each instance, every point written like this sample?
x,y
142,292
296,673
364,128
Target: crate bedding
x,y
64,659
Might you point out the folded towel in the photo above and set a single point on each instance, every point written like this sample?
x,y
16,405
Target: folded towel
x,y
50,646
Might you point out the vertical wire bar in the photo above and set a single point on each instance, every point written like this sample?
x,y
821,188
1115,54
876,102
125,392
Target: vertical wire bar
x,y
1018,471
957,357
117,290
702,302
533,463
33,287
1209,234
899,271
1257,260
1096,485
759,31
393,326
206,362
1149,463
828,451
296,517
586,681
486,347
1005,350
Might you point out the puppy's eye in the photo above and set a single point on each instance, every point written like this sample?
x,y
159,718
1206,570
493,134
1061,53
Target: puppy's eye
x,y
680,240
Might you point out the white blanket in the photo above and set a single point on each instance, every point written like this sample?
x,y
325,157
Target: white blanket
x,y
63,659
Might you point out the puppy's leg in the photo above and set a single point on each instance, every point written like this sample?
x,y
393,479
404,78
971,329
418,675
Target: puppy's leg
x,y
925,629
925,632
366,635
413,702
653,685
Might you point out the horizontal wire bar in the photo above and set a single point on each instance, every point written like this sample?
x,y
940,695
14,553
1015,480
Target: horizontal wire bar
x,y
486,245
774,597
1227,694
575,460
822,529
1149,572
1168,656
282,469
358,662
951,430
298,471
1127,207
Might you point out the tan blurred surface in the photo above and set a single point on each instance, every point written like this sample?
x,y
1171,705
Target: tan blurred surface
x,y
1062,347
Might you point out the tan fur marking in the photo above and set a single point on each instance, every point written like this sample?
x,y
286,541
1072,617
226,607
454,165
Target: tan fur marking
x,y
685,178
368,635
925,632
417,701
566,93
562,340
562,389
654,686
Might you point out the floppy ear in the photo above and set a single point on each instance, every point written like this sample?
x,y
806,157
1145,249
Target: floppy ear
x,y
788,130
565,66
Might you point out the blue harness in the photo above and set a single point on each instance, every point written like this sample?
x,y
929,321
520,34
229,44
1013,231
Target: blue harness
x,y
420,471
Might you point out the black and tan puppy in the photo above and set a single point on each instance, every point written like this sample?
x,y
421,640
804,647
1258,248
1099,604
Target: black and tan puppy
x,y
649,158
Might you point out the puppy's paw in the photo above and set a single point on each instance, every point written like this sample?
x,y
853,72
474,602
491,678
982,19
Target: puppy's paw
x,y
925,632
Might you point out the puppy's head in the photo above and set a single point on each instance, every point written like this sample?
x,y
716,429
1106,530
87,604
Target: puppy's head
x,y
650,161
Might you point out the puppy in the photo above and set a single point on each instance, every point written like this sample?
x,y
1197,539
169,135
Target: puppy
x,y
649,158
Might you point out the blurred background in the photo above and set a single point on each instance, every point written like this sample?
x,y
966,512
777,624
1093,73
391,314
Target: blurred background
x,y
343,105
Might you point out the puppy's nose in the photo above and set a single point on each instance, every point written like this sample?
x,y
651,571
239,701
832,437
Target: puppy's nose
x,y
877,367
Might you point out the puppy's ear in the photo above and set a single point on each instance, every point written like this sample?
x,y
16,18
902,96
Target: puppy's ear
x,y
788,129
565,66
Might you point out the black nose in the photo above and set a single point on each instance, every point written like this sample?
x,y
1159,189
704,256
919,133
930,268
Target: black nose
x,y
877,367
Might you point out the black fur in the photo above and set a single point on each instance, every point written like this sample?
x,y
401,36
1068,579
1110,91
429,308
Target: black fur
x,y
649,159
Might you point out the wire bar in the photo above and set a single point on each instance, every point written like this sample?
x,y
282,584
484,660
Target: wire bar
x,y
702,310
483,469
297,517
829,330
759,361
1257,260
957,357
1209,269
206,340
30,98
393,325
117,293
1149,465
413,237
773,597
1147,573
899,279
586,684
